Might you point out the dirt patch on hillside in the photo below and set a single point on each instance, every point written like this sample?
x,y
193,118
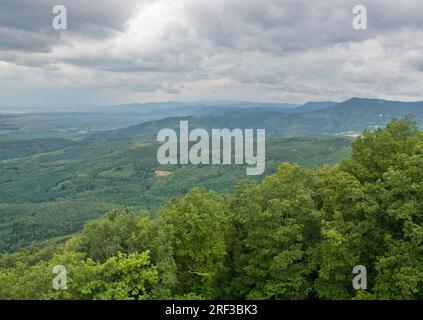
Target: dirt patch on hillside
x,y
141,144
162,173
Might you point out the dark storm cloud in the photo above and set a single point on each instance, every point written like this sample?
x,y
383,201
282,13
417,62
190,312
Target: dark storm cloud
x,y
15,39
285,25
26,25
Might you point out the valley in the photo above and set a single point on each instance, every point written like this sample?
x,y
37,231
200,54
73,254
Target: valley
x,y
53,181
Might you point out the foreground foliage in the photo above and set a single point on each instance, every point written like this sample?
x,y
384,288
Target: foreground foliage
x,y
297,235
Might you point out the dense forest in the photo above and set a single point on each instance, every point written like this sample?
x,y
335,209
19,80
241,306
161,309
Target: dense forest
x,y
49,188
296,235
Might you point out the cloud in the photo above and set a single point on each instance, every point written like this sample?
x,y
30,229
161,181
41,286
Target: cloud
x,y
288,25
26,25
292,50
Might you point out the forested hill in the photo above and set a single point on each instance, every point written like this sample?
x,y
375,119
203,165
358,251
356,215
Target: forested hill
x,y
296,235
54,178
347,118
49,188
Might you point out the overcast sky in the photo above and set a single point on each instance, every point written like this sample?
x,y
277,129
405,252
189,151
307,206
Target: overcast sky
x,y
184,50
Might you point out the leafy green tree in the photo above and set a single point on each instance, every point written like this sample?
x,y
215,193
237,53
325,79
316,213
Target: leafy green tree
x,y
196,227
120,277
372,209
274,226
126,232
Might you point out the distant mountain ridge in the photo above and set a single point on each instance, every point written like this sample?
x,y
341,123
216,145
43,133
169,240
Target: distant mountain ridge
x,y
347,118
312,106
311,119
355,114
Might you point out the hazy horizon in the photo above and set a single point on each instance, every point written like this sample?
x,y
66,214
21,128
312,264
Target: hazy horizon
x,y
82,108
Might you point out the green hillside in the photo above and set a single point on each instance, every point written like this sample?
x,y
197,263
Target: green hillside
x,y
298,234
351,116
51,191
319,119
50,186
